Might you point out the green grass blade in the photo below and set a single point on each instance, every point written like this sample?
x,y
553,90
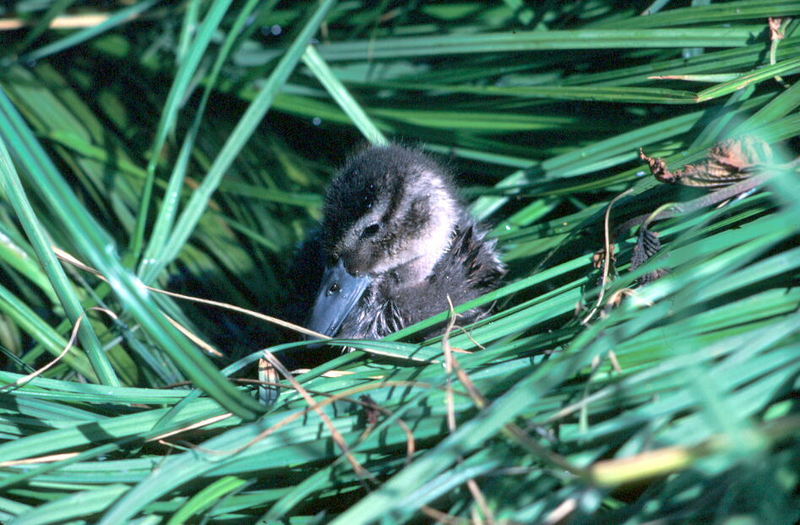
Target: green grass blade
x,y
41,244
535,41
43,24
206,498
729,11
244,129
177,94
169,204
98,248
122,16
342,97
765,73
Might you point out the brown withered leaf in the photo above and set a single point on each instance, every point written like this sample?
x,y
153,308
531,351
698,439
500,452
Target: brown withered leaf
x,y
775,32
647,246
372,411
268,393
598,257
617,299
728,162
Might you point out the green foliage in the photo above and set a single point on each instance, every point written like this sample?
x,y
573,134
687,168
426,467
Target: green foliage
x,y
186,146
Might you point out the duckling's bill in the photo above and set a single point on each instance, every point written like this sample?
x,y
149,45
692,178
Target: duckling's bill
x,y
338,294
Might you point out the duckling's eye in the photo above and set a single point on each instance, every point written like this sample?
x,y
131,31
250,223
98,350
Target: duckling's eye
x,y
370,230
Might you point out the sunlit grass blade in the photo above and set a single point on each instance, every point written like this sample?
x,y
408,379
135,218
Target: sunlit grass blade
x,y
345,100
177,95
767,72
41,244
536,41
169,204
40,331
255,112
95,243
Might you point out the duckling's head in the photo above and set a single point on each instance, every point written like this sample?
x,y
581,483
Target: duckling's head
x,y
389,216
389,208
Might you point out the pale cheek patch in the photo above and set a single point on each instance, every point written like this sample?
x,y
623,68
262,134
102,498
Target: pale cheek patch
x,y
433,235
436,238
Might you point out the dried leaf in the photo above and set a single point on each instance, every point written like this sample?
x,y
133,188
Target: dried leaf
x,y
728,162
775,32
647,246
617,298
600,255
372,412
268,393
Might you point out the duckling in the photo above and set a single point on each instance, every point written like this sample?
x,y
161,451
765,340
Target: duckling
x,y
395,243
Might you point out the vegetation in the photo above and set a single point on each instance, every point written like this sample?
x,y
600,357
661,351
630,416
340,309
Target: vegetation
x,y
185,146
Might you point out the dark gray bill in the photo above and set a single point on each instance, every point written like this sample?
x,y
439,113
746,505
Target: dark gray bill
x,y
338,293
